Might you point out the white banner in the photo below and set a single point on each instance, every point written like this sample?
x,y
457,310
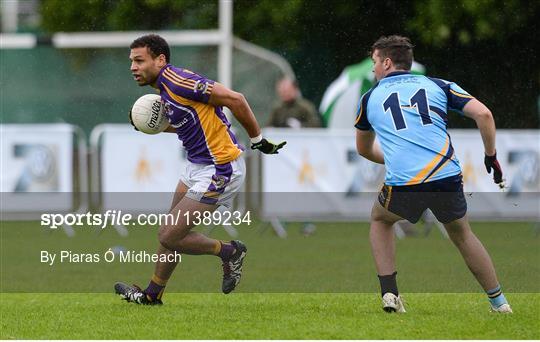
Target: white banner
x,y
320,175
36,164
518,152
147,166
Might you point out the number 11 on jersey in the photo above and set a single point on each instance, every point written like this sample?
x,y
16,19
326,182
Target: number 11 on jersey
x,y
418,101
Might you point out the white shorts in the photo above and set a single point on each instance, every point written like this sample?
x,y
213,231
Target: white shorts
x,y
214,184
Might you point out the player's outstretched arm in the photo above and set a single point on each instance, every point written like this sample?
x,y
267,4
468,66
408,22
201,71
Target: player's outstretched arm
x,y
477,111
367,147
237,103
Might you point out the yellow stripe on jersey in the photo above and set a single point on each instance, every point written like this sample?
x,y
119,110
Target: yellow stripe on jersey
x,y
218,140
179,78
183,84
439,169
461,95
179,99
209,88
420,175
359,115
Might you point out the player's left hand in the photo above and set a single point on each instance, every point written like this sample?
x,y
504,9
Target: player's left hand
x,y
131,121
267,147
491,162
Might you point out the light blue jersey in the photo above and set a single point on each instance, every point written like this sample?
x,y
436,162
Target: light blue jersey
x,y
409,115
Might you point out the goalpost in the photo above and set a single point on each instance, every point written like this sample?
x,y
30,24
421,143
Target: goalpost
x,y
249,59
61,48
222,37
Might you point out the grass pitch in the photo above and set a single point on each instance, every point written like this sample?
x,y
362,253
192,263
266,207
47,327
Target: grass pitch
x,y
318,287
265,316
336,259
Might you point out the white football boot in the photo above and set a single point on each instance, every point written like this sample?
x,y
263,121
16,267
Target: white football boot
x,y
393,303
504,308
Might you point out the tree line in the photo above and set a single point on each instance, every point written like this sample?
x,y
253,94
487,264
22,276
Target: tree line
x,y
489,47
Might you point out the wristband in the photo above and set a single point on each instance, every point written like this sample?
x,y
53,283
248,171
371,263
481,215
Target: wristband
x,y
257,139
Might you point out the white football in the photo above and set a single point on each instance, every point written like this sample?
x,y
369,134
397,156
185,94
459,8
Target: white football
x,y
147,114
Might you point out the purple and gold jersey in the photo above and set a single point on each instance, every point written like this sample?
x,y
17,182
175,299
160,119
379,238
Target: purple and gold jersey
x,y
203,128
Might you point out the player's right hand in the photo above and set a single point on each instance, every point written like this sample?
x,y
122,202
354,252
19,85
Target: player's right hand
x,y
491,162
131,121
267,147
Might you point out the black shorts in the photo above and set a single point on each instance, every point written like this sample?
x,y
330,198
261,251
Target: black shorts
x,y
444,197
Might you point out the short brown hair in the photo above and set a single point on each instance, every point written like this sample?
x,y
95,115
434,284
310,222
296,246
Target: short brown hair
x,y
398,48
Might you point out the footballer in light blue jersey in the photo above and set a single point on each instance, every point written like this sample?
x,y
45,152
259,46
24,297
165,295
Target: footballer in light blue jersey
x,y
408,114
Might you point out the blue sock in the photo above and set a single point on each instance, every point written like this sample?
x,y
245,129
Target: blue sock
x,y
496,297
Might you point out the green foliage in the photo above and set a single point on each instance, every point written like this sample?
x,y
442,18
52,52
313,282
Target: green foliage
x,y
111,15
283,22
270,22
320,38
438,22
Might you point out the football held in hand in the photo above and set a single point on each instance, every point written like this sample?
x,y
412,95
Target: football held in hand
x,y
148,116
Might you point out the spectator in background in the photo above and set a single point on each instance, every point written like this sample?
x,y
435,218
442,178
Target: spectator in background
x,y
293,110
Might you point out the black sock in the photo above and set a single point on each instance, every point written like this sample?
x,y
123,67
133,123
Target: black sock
x,y
388,284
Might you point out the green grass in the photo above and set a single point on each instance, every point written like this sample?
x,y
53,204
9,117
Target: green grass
x,y
337,259
265,316
318,287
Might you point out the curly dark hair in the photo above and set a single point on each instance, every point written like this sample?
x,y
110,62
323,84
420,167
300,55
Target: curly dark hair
x,y
156,44
398,48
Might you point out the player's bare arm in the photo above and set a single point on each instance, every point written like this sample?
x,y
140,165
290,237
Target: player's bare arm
x,y
477,111
237,103
367,147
